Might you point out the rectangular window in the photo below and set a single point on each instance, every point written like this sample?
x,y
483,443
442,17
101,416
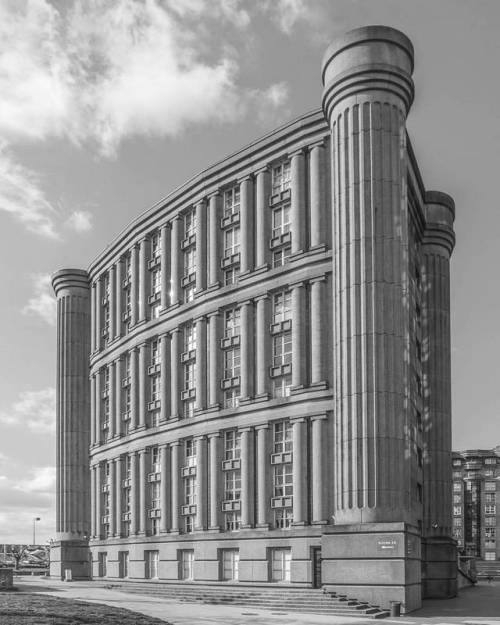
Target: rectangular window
x,y
189,261
102,561
232,201
189,373
123,564
152,559
457,486
457,510
457,521
280,565
189,491
490,555
282,437
232,362
155,459
230,565
231,241
283,518
490,497
282,306
231,275
189,223
155,352
490,509
155,495
155,388
490,521
282,349
155,245
281,177
189,524
232,322
156,281
283,475
186,568
490,461
232,485
189,337
232,398
232,445
491,486
281,220
233,521
457,499
281,256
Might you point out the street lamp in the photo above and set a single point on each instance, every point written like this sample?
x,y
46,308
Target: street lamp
x,y
35,519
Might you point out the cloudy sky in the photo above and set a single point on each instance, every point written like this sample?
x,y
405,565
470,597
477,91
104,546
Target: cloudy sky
x,y
107,105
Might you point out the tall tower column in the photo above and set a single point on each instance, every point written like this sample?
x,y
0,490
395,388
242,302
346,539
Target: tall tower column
x,y
70,550
368,91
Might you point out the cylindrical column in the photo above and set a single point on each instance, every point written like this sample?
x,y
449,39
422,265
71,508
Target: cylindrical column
x,y
118,298
298,202
215,358
143,511
201,246
134,494
263,358
143,382
98,407
247,338
246,220
215,496
299,472
317,470
93,526
112,399
118,496
98,501
175,367
164,487
175,261
214,239
317,330
262,217
93,298
165,266
134,285
164,377
437,246
299,329
98,314
112,303
201,483
93,431
174,487
367,93
262,476
247,472
72,290
201,364
143,279
134,386
117,383
317,193
112,498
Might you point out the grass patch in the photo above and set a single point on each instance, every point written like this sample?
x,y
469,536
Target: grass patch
x,y
20,608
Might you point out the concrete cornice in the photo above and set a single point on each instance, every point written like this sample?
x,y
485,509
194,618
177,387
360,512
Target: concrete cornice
x,y
71,279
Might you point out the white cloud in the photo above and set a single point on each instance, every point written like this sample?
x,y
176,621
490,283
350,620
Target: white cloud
x,y
42,480
21,196
272,105
80,221
35,410
43,302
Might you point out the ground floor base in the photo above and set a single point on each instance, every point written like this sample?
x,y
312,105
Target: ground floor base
x,y
70,560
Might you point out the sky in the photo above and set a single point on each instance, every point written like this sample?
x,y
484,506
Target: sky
x,y
108,105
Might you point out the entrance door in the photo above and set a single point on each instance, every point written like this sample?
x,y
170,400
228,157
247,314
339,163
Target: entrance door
x,y
316,567
280,565
230,564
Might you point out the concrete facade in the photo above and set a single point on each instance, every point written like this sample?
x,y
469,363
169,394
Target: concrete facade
x,y
269,362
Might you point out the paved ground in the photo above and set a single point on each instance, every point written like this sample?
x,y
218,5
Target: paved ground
x,y
474,606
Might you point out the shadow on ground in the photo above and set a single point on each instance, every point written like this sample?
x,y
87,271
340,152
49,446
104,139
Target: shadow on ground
x,y
480,600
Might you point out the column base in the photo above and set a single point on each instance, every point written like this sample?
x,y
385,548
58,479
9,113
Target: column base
x,y
174,532
244,401
70,555
214,286
319,386
262,526
215,529
299,524
261,397
439,567
322,522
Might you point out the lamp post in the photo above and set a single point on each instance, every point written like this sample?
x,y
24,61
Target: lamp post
x,y
35,519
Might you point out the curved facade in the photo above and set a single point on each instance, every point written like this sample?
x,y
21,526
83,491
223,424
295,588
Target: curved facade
x,y
269,356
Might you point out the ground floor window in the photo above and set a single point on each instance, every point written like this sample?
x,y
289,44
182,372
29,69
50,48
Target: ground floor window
x,y
490,555
280,564
186,564
123,559
151,560
230,565
102,561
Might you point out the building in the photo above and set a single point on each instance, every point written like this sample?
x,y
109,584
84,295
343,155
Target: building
x,y
476,490
254,377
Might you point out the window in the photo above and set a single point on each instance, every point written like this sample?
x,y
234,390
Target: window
x,y
457,510
232,322
189,337
282,306
230,565
189,524
490,521
282,349
233,521
281,177
189,223
490,509
231,241
151,559
490,555
283,518
102,561
156,281
281,256
155,495
232,445
188,408
283,437
457,499
490,486
232,485
155,245
490,461
232,363
189,491
189,372
283,485
457,474
231,275
457,486
457,521
457,462
155,388
155,459
280,565
490,497
190,453
155,352
232,201
232,398
189,261
281,220
123,563
186,564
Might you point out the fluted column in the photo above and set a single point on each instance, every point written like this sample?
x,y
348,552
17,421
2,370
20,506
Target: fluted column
x,y
174,487
318,331
134,387
98,314
299,329
215,473
93,299
263,494
164,377
93,432
175,261
247,472
92,502
201,246
175,368
98,405
98,500
214,358
72,291
117,383
134,494
112,302
298,208
247,339
164,487
112,498
118,296
165,266
118,496
246,220
143,509
262,217
368,91
318,474
200,522
262,339
299,472
143,382
437,246
317,193
112,400
215,239
143,279
201,364
134,285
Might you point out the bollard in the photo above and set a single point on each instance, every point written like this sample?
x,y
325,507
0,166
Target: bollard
x,y
395,608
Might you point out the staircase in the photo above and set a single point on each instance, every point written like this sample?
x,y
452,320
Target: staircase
x,y
487,568
310,600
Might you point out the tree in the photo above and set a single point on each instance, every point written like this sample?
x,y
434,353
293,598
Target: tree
x,y
17,551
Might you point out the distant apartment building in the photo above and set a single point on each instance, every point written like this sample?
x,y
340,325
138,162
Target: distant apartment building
x,y
476,491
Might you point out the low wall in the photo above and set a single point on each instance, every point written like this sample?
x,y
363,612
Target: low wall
x,y
6,579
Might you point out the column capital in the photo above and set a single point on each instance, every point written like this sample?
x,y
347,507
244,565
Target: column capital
x,y
246,178
246,302
200,200
200,318
214,194
163,445
317,417
317,279
296,285
317,144
177,217
165,226
265,169
246,428
162,336
298,420
263,426
200,437
174,444
117,459
142,452
214,313
260,298
297,152
213,435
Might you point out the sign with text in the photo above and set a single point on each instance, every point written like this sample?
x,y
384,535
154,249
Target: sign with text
x,y
387,544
